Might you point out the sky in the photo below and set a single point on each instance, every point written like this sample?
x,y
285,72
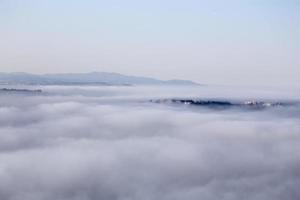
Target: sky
x,y
245,42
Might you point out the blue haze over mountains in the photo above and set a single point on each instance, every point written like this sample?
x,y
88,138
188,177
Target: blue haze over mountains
x,y
97,78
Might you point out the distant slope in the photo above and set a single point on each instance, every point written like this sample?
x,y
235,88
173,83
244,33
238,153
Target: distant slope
x,y
94,78
18,91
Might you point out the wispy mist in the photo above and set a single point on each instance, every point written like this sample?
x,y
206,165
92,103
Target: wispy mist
x,y
88,143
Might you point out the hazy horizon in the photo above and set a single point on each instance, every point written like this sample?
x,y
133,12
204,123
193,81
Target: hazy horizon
x,y
233,136
213,42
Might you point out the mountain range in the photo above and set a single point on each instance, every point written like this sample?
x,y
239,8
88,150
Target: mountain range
x,y
93,78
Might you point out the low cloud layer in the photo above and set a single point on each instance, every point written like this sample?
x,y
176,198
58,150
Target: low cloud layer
x,y
74,145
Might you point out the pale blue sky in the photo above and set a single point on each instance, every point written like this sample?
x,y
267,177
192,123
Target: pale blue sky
x,y
215,42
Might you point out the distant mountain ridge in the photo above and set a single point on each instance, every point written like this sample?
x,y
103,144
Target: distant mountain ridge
x,y
93,78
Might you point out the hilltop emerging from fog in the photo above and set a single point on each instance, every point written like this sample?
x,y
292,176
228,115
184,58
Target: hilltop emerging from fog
x,y
94,78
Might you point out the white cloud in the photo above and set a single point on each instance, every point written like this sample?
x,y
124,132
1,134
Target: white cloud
x,y
85,148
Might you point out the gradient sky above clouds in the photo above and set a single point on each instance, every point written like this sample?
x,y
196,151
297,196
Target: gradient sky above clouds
x,y
216,42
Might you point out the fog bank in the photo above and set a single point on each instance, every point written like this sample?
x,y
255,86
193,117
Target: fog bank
x,y
90,143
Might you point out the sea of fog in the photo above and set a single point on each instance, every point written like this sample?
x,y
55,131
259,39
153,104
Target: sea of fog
x,y
113,143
